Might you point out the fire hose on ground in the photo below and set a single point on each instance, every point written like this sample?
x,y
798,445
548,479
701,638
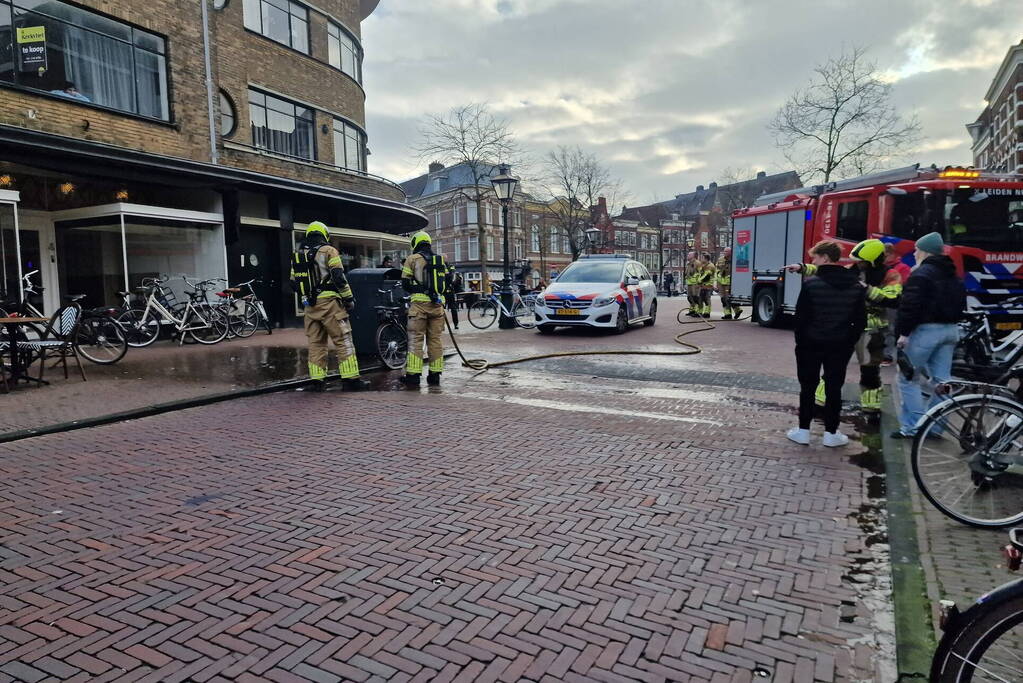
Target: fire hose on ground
x,y
482,364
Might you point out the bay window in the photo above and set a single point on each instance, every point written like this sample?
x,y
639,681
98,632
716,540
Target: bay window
x,y
55,47
283,21
344,52
349,146
281,126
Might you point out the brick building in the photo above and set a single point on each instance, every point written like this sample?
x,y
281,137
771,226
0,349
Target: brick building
x,y
998,132
699,221
446,194
192,137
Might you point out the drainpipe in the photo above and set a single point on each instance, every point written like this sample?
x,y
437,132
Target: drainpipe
x,y
214,156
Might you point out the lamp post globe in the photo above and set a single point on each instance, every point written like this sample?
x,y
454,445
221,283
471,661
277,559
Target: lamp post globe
x,y
504,187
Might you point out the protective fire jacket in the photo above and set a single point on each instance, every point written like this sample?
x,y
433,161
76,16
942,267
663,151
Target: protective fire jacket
x,y
330,274
724,273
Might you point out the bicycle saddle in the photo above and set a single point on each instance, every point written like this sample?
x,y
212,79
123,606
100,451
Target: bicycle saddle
x,y
75,298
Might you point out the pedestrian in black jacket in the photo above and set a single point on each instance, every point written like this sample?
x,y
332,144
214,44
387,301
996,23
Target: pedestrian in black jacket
x,y
831,315
933,301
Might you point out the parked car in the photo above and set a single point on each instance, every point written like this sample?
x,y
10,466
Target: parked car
x,y
601,290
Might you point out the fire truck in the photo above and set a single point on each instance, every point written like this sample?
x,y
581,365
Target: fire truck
x,y
979,214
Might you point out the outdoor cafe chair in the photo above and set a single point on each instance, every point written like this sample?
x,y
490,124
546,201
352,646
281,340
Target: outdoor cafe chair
x,y
59,337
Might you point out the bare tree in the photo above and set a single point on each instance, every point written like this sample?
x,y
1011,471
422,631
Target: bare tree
x,y
573,182
472,136
843,121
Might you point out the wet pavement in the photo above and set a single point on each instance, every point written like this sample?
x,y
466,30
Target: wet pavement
x,y
596,518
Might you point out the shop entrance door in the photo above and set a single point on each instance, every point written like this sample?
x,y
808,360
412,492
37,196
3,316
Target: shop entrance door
x,y
17,263
255,254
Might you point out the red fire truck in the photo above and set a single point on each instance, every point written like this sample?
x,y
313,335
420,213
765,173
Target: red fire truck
x,y
979,214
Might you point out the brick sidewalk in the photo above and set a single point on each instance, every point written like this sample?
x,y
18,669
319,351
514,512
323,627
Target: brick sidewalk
x,y
515,526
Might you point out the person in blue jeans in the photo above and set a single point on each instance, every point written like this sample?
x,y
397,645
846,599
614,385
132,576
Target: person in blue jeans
x,y
933,301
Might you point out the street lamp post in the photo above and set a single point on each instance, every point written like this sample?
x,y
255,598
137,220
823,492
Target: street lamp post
x,y
592,233
504,187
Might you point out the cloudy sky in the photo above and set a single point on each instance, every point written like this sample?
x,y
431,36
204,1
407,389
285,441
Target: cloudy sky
x,y
668,92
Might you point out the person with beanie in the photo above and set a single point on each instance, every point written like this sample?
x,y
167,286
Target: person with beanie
x,y
933,301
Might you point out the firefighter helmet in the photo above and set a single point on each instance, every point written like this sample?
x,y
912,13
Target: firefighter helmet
x,y
316,227
421,237
871,251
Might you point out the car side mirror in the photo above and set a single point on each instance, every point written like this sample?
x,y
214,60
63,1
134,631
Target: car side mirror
x,y
631,280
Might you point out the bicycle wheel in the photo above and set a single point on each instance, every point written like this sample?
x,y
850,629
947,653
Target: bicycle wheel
x,y
986,649
263,317
966,459
207,324
524,315
140,329
482,314
243,318
392,345
102,340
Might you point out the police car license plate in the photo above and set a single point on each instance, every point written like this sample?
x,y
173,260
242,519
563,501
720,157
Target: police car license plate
x,y
1008,326
567,311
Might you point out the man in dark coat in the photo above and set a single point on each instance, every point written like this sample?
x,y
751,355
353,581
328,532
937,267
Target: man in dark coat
x,y
831,315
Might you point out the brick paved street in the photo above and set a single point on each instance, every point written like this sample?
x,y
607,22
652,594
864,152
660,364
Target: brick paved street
x,y
625,519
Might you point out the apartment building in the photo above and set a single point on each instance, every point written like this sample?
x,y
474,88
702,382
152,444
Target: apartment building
x,y
194,137
997,133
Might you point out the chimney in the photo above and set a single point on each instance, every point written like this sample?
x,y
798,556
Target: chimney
x,y
436,166
761,175
699,188
713,185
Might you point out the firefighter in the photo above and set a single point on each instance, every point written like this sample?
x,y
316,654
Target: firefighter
x,y
707,278
884,287
318,276
692,280
724,286
425,277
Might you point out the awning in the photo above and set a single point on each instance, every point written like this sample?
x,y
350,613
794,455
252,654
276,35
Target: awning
x,y
347,233
71,155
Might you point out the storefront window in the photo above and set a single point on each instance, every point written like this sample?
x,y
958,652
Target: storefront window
x,y
58,48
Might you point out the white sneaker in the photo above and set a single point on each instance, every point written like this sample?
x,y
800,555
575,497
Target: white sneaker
x,y
800,436
834,439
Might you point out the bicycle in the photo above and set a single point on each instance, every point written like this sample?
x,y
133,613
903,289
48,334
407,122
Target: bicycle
x,y
242,316
983,643
484,312
392,331
254,299
967,454
100,338
198,319
979,355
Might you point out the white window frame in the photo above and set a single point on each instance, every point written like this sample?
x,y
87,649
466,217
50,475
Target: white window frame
x,y
474,247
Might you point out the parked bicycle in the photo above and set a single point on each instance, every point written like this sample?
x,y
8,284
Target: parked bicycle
x,y
392,333
99,337
984,642
197,319
987,347
242,316
484,312
967,455
254,299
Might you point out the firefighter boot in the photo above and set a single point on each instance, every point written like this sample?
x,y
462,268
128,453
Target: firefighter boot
x,y
433,379
354,384
870,400
820,396
411,381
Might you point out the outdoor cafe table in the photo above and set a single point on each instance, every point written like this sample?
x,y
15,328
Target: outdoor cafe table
x,y
12,325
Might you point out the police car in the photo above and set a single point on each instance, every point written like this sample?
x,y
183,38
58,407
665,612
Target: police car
x,y
601,290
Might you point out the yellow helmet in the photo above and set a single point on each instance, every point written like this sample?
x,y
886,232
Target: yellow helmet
x,y
421,237
871,251
316,227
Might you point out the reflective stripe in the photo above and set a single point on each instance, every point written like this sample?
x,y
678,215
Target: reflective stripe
x,y
437,365
334,262
407,272
317,372
414,364
419,296
820,396
349,368
870,399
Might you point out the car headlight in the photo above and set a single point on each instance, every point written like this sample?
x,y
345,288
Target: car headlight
x,y
604,301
